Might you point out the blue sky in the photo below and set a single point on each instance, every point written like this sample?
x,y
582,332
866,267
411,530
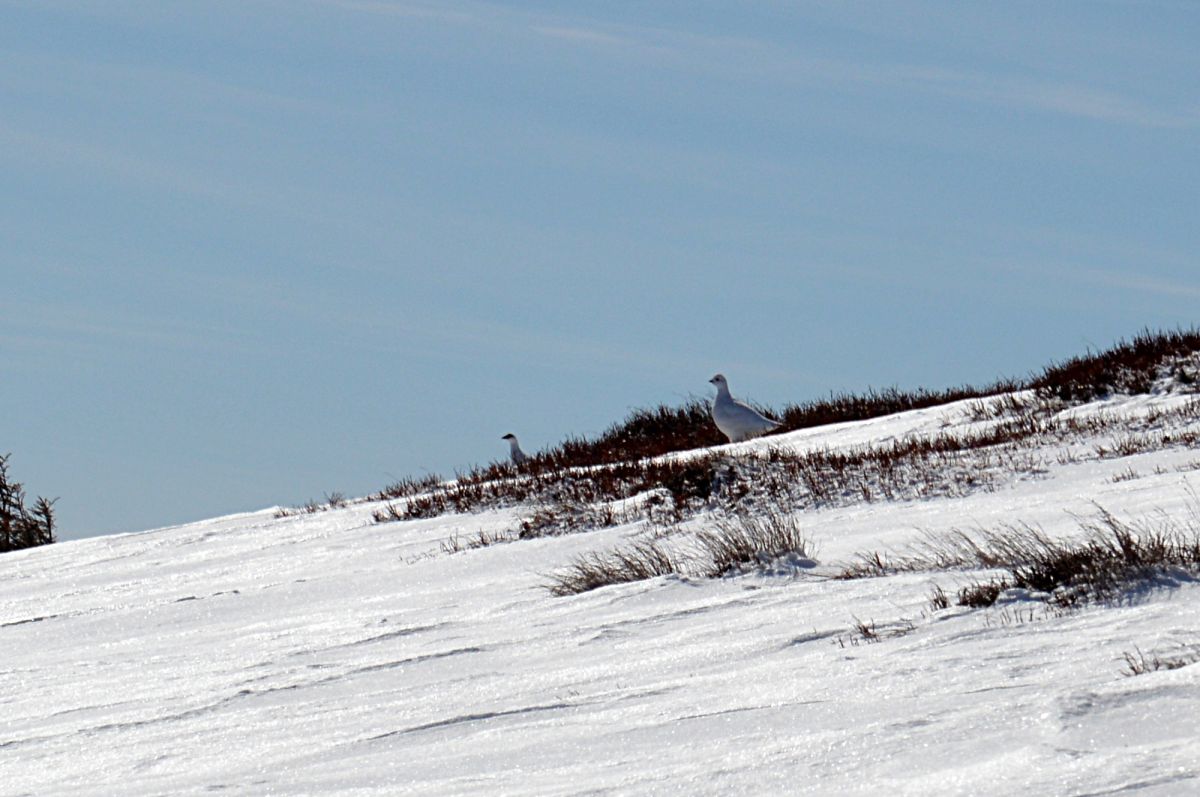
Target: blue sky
x,y
256,252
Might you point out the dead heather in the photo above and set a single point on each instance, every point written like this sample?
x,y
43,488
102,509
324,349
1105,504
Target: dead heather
x,y
591,483
949,464
1111,559
1129,367
1140,663
752,541
637,562
868,632
21,525
733,545
458,543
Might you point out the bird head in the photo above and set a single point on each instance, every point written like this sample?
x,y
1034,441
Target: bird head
x,y
509,436
719,381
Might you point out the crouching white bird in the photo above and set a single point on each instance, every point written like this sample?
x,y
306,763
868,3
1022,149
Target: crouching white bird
x,y
736,420
519,457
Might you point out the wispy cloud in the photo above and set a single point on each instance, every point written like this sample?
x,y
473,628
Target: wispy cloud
x,y
130,168
1068,99
445,333
72,331
1066,271
1143,283
437,12
596,37
747,57
31,72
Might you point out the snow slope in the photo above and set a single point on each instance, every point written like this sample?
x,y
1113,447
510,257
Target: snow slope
x,y
327,653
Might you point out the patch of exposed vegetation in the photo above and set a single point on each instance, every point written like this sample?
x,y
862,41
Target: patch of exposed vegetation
x,y
334,500
1139,663
732,546
1129,367
22,526
1112,557
637,562
745,542
458,543
869,632
585,484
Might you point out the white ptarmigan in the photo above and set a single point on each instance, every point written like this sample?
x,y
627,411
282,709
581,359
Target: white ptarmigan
x,y
519,457
736,420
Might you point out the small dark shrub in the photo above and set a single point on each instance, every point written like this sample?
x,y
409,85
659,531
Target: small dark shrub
x,y
692,482
388,514
982,595
22,526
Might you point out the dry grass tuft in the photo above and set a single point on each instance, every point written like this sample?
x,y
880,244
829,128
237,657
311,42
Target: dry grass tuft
x,y
638,562
1112,557
752,540
1139,663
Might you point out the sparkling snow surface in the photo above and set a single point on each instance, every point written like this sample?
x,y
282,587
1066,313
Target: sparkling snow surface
x,y
326,653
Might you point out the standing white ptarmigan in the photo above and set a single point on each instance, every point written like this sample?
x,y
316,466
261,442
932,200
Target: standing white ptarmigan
x,y
736,420
519,457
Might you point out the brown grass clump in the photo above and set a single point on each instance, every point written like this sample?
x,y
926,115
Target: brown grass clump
x,y
638,562
1113,557
1139,663
752,540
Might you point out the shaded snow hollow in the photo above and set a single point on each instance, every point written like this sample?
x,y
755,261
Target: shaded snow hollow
x,y
326,653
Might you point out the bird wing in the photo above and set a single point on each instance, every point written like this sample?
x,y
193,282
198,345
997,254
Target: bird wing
x,y
738,420
748,412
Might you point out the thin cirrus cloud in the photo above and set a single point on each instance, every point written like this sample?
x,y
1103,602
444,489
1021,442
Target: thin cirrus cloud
x,y
1143,283
746,56
437,12
82,153
1124,279
226,183
1044,95
73,330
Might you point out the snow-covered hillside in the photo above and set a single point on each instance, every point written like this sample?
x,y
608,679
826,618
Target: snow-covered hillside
x,y
326,652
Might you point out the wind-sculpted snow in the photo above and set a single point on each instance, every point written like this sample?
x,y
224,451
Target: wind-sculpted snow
x,y
327,653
